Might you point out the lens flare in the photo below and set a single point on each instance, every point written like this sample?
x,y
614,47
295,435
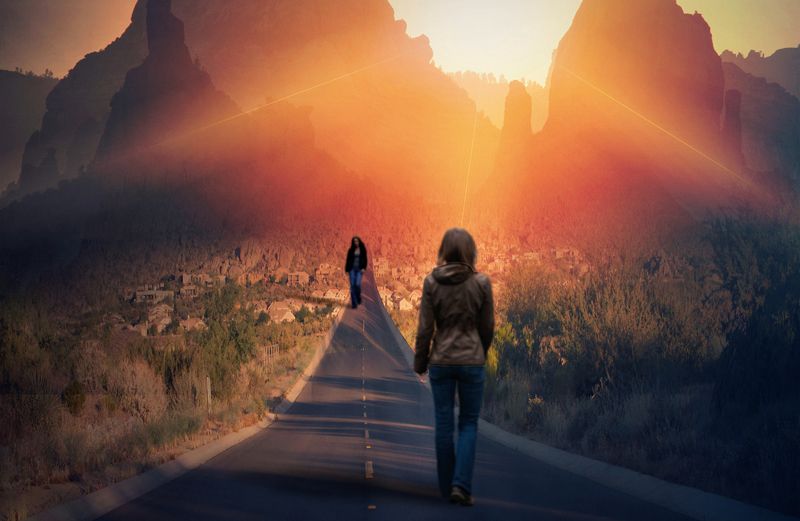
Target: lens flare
x,y
270,103
469,166
655,125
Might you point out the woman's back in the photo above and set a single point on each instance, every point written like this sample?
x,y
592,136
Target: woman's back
x,y
457,313
457,305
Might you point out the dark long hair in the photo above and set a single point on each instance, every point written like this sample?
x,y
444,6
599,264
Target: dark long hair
x,y
458,246
353,244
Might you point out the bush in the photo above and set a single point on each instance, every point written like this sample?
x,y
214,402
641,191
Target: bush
x,y
760,365
138,390
303,314
74,397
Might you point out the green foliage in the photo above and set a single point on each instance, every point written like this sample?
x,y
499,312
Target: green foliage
x,y
242,334
303,314
220,304
173,327
324,311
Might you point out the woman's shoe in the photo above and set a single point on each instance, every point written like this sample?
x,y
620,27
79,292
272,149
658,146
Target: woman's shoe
x,y
458,495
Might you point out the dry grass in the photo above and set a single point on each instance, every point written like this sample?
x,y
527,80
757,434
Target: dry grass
x,y
132,402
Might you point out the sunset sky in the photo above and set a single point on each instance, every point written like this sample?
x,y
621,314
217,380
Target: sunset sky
x,y
511,37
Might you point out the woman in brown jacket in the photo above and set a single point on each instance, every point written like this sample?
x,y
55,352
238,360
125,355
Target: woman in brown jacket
x,y
457,313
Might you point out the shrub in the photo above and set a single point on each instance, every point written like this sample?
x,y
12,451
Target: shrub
x,y
138,390
303,314
74,397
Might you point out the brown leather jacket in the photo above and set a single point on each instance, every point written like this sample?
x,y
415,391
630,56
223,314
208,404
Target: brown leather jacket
x,y
457,312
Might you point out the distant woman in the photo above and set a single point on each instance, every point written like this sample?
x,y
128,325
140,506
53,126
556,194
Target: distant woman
x,y
457,313
354,266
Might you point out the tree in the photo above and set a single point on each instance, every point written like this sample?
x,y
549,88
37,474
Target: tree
x,y
303,314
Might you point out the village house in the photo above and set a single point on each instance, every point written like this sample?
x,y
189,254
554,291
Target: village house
x,y
404,305
298,278
415,297
189,291
160,316
397,296
534,256
202,279
386,296
280,312
381,267
259,306
152,296
193,324
318,293
325,274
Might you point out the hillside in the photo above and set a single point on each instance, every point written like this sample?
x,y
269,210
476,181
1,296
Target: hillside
x,y
22,105
642,124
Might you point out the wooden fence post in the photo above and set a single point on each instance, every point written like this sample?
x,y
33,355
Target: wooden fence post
x,y
208,394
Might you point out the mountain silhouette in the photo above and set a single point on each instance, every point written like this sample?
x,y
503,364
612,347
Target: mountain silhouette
x,y
516,136
393,115
782,67
490,92
22,105
379,105
770,125
161,99
634,137
77,109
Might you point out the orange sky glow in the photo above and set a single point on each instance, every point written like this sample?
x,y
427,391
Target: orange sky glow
x,y
515,38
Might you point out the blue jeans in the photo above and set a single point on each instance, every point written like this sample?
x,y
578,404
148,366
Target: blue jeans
x,y
355,287
454,465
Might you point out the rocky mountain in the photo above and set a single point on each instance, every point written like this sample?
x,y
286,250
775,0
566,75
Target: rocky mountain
x,y
634,137
782,67
489,93
516,136
77,109
390,114
177,162
672,75
165,97
378,103
770,124
22,105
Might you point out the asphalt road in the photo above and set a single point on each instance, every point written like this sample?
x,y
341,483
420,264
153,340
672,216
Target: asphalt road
x,y
358,444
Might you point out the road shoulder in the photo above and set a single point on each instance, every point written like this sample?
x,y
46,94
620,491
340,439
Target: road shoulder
x,y
103,501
